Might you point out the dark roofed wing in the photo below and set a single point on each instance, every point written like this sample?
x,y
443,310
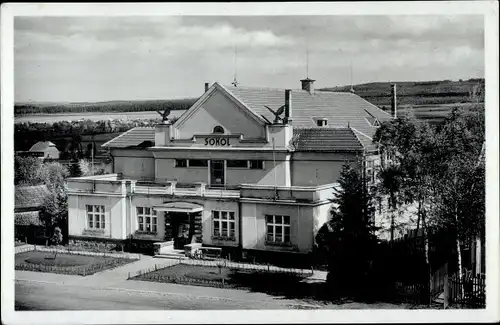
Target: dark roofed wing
x,y
138,136
326,139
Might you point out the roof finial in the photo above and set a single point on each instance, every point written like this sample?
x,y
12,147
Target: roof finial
x,y
235,81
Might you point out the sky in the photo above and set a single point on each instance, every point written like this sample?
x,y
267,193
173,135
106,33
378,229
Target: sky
x,y
61,59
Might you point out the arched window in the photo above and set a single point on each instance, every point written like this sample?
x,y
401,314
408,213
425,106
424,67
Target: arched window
x,y
218,129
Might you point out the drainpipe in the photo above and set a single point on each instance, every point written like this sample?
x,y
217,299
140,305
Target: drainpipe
x,y
240,228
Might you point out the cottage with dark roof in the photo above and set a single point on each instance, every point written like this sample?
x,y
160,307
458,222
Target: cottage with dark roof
x,y
247,170
28,206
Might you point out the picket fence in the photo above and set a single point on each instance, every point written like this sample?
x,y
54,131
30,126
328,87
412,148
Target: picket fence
x,y
468,291
246,266
23,249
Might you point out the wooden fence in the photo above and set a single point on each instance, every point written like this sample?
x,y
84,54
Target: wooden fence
x,y
247,266
438,280
469,291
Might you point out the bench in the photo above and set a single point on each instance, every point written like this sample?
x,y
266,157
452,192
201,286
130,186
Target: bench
x,y
209,252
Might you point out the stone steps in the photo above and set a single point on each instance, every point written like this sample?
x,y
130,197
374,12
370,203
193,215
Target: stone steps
x,y
172,255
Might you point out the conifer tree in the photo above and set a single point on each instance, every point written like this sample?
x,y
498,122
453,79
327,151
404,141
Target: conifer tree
x,y
349,234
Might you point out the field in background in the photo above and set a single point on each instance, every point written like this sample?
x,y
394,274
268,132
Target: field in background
x,y
102,107
419,92
434,113
57,117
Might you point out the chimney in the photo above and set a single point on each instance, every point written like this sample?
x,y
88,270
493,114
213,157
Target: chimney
x,y
288,107
206,86
308,85
394,108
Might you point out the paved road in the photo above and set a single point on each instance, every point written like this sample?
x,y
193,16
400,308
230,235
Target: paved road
x,y
31,295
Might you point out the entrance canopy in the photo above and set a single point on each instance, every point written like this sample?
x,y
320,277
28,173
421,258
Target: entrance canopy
x,y
179,207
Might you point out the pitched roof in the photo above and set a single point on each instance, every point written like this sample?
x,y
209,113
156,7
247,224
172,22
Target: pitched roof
x,y
27,218
340,108
30,196
42,146
326,139
132,138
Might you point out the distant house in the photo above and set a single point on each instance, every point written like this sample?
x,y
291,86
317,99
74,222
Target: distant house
x,y
28,205
45,149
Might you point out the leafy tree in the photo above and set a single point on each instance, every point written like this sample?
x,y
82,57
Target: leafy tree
x,y
411,144
57,238
459,202
28,171
348,237
87,169
56,203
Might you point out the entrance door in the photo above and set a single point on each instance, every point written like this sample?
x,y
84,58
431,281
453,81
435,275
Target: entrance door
x,y
217,173
181,229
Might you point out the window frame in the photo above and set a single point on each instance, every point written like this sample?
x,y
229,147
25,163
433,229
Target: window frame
x,y
177,165
323,121
217,217
256,160
238,167
218,126
189,163
95,216
275,225
153,219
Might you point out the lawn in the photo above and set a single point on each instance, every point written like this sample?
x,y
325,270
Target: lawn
x,y
285,285
19,243
274,283
66,263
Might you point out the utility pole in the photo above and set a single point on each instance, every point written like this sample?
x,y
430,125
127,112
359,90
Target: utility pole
x,y
92,156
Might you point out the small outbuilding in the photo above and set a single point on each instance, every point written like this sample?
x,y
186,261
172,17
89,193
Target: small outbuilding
x,y
28,208
47,149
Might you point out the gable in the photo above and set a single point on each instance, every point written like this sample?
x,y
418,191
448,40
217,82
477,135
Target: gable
x,y
219,109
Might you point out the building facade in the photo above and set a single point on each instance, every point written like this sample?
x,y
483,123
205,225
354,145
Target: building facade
x,y
243,169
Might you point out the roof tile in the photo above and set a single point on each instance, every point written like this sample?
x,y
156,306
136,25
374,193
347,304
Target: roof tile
x,y
341,109
132,138
326,139
30,196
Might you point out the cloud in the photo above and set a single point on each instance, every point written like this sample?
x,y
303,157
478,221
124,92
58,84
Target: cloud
x,y
119,52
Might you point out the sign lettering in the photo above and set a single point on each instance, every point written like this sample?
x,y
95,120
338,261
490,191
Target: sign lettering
x,y
217,142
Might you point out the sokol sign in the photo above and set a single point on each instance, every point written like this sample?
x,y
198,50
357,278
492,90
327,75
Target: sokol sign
x,y
217,142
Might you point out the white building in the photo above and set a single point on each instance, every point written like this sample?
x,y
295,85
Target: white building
x,y
228,173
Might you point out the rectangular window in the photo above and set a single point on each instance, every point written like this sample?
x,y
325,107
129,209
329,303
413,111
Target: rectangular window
x,y
369,175
321,122
278,229
224,224
147,219
237,163
96,217
181,163
256,164
198,163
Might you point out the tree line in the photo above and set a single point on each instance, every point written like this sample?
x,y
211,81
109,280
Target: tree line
x,y
438,169
103,107
27,134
